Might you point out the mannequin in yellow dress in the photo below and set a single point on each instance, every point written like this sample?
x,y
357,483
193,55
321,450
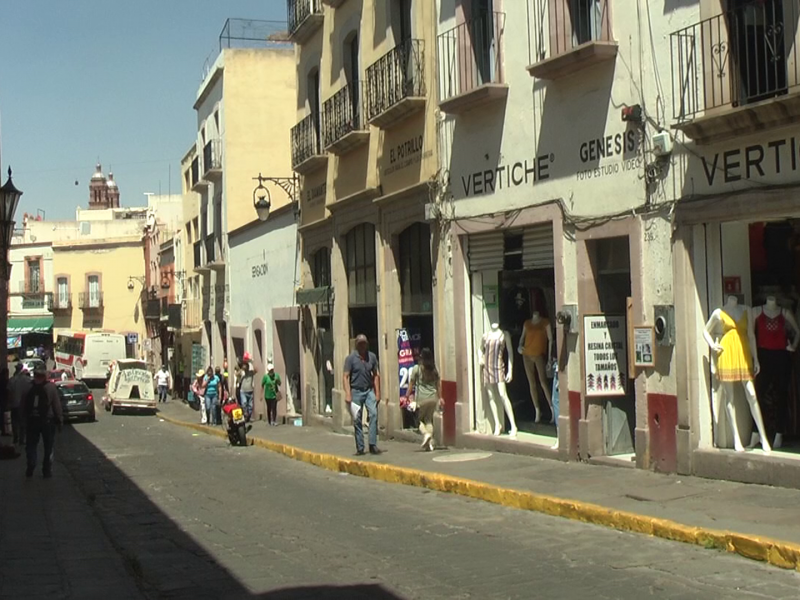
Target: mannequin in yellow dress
x,y
730,334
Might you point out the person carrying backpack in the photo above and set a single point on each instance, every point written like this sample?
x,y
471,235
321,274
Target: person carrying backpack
x,y
43,415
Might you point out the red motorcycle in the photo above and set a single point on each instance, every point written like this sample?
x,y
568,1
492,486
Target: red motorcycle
x,y
235,424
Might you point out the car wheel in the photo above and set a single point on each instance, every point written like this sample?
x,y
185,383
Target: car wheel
x,y
91,418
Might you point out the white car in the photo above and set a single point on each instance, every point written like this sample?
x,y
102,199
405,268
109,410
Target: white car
x,y
130,386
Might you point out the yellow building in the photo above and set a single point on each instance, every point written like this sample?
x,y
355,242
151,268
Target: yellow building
x,y
365,146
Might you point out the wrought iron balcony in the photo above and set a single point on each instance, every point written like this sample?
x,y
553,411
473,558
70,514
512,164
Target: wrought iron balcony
x,y
744,59
396,84
471,64
307,154
212,160
198,255
343,124
579,37
197,181
62,302
91,300
38,301
305,17
214,257
152,308
31,288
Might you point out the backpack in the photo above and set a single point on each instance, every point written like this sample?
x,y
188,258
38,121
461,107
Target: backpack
x,y
37,404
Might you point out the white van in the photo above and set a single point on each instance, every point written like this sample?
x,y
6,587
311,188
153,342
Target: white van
x,y
130,386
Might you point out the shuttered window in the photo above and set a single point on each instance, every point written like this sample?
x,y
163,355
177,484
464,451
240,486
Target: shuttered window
x,y
537,247
487,251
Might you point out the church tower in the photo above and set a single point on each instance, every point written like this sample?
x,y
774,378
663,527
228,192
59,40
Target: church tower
x,y
103,193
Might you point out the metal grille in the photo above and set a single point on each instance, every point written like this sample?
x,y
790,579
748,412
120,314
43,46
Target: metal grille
x,y
306,139
342,113
299,10
398,74
212,155
485,251
537,247
738,57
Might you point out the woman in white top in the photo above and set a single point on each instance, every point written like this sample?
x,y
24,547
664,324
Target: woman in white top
x,y
425,388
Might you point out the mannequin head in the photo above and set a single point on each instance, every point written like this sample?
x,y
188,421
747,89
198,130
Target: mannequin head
x,y
732,300
772,302
495,326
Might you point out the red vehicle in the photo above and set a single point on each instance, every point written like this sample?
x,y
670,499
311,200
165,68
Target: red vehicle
x,y
59,376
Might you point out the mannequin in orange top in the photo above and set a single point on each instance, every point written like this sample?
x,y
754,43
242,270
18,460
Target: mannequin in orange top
x,y
536,346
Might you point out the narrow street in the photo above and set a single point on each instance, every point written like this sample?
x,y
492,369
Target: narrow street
x,y
194,518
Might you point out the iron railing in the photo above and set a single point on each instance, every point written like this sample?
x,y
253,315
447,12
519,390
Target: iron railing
x,y
299,10
470,55
741,56
572,23
343,113
152,308
212,156
211,247
306,139
33,287
62,301
91,300
41,301
398,74
198,254
195,171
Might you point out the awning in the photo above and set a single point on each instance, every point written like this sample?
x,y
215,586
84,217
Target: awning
x,y
317,295
23,325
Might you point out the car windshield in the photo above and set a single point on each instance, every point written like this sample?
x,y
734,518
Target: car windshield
x,y
73,389
125,366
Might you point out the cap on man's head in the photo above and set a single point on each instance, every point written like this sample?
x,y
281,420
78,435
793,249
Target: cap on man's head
x,y
361,339
40,369
270,367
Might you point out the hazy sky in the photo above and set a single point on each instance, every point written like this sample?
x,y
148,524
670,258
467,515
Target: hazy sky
x,y
114,80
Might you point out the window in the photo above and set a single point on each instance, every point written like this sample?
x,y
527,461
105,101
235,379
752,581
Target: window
x,y
62,291
401,21
314,106
586,17
94,291
352,70
34,276
416,281
360,264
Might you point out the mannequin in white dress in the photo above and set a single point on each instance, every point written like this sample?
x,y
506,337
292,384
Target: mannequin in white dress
x,y
495,375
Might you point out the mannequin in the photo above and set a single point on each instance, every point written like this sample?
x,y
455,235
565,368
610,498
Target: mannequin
x,y
774,348
495,375
731,336
536,346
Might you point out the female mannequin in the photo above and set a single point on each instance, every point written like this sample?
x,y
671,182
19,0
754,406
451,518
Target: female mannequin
x,y
771,325
536,346
731,337
495,376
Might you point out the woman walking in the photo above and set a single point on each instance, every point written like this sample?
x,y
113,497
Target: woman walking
x,y
425,388
199,392
212,385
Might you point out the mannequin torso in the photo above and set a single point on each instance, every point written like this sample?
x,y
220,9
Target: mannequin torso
x,y
494,342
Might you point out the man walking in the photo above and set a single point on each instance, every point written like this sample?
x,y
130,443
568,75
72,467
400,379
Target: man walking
x,y
246,377
362,386
18,388
163,381
42,417
271,383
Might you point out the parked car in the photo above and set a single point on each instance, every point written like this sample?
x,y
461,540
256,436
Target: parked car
x,y
77,400
30,363
130,386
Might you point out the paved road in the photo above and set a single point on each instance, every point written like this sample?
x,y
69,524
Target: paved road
x,y
196,519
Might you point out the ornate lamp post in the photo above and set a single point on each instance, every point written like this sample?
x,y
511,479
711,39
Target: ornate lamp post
x,y
9,199
261,198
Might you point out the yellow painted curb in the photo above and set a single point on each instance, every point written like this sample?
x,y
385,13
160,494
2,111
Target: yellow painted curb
x,y
780,554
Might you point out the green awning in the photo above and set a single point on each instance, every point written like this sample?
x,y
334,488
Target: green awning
x,y
23,325
317,295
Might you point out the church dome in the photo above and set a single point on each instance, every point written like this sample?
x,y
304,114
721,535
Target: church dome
x,y
98,173
111,183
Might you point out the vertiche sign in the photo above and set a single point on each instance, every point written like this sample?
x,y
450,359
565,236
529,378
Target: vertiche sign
x,y
605,355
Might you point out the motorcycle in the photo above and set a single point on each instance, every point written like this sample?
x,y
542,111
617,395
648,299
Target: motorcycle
x,y
235,424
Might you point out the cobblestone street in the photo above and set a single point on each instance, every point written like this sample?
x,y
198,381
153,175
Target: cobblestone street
x,y
190,517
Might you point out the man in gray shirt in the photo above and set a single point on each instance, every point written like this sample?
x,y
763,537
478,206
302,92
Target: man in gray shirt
x,y
362,387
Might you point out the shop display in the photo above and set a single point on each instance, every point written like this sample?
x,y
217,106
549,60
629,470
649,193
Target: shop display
x,y
730,334
773,326
536,346
495,375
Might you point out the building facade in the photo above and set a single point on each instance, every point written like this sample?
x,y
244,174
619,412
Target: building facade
x,y
365,148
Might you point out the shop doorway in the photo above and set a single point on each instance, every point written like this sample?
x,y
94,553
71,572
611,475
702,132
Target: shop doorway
x,y
323,350
611,268
288,334
360,262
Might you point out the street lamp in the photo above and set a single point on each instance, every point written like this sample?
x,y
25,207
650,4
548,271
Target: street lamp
x,y
261,197
9,199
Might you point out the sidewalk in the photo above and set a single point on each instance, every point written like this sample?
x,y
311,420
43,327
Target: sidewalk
x,y
52,544
688,509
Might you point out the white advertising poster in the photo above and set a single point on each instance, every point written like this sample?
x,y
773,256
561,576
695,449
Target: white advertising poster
x,y
605,355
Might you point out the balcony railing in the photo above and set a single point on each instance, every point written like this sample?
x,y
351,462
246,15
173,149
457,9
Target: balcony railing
x,y
212,159
195,171
91,300
343,124
304,17
578,35
307,152
33,288
198,254
471,63
396,84
736,58
40,301
211,247
152,308
62,301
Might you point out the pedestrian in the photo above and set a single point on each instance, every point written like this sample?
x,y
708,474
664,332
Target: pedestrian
x,y
4,403
212,385
43,416
18,387
246,379
164,383
425,389
199,391
222,394
362,386
271,383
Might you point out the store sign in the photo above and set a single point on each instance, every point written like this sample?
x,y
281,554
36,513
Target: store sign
x,y
257,271
406,153
521,172
767,160
605,355
615,146
133,338
408,347
315,194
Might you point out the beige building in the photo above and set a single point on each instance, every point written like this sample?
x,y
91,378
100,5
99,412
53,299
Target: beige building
x,y
365,146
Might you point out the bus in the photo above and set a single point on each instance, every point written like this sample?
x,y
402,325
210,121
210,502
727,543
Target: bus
x,y
88,355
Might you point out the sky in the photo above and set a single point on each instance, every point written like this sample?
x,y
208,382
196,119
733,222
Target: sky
x,y
107,80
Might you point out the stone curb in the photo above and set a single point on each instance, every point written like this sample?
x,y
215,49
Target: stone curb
x,y
785,555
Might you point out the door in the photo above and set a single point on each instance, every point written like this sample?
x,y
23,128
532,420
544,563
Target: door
x,y
94,291
354,83
483,40
63,292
